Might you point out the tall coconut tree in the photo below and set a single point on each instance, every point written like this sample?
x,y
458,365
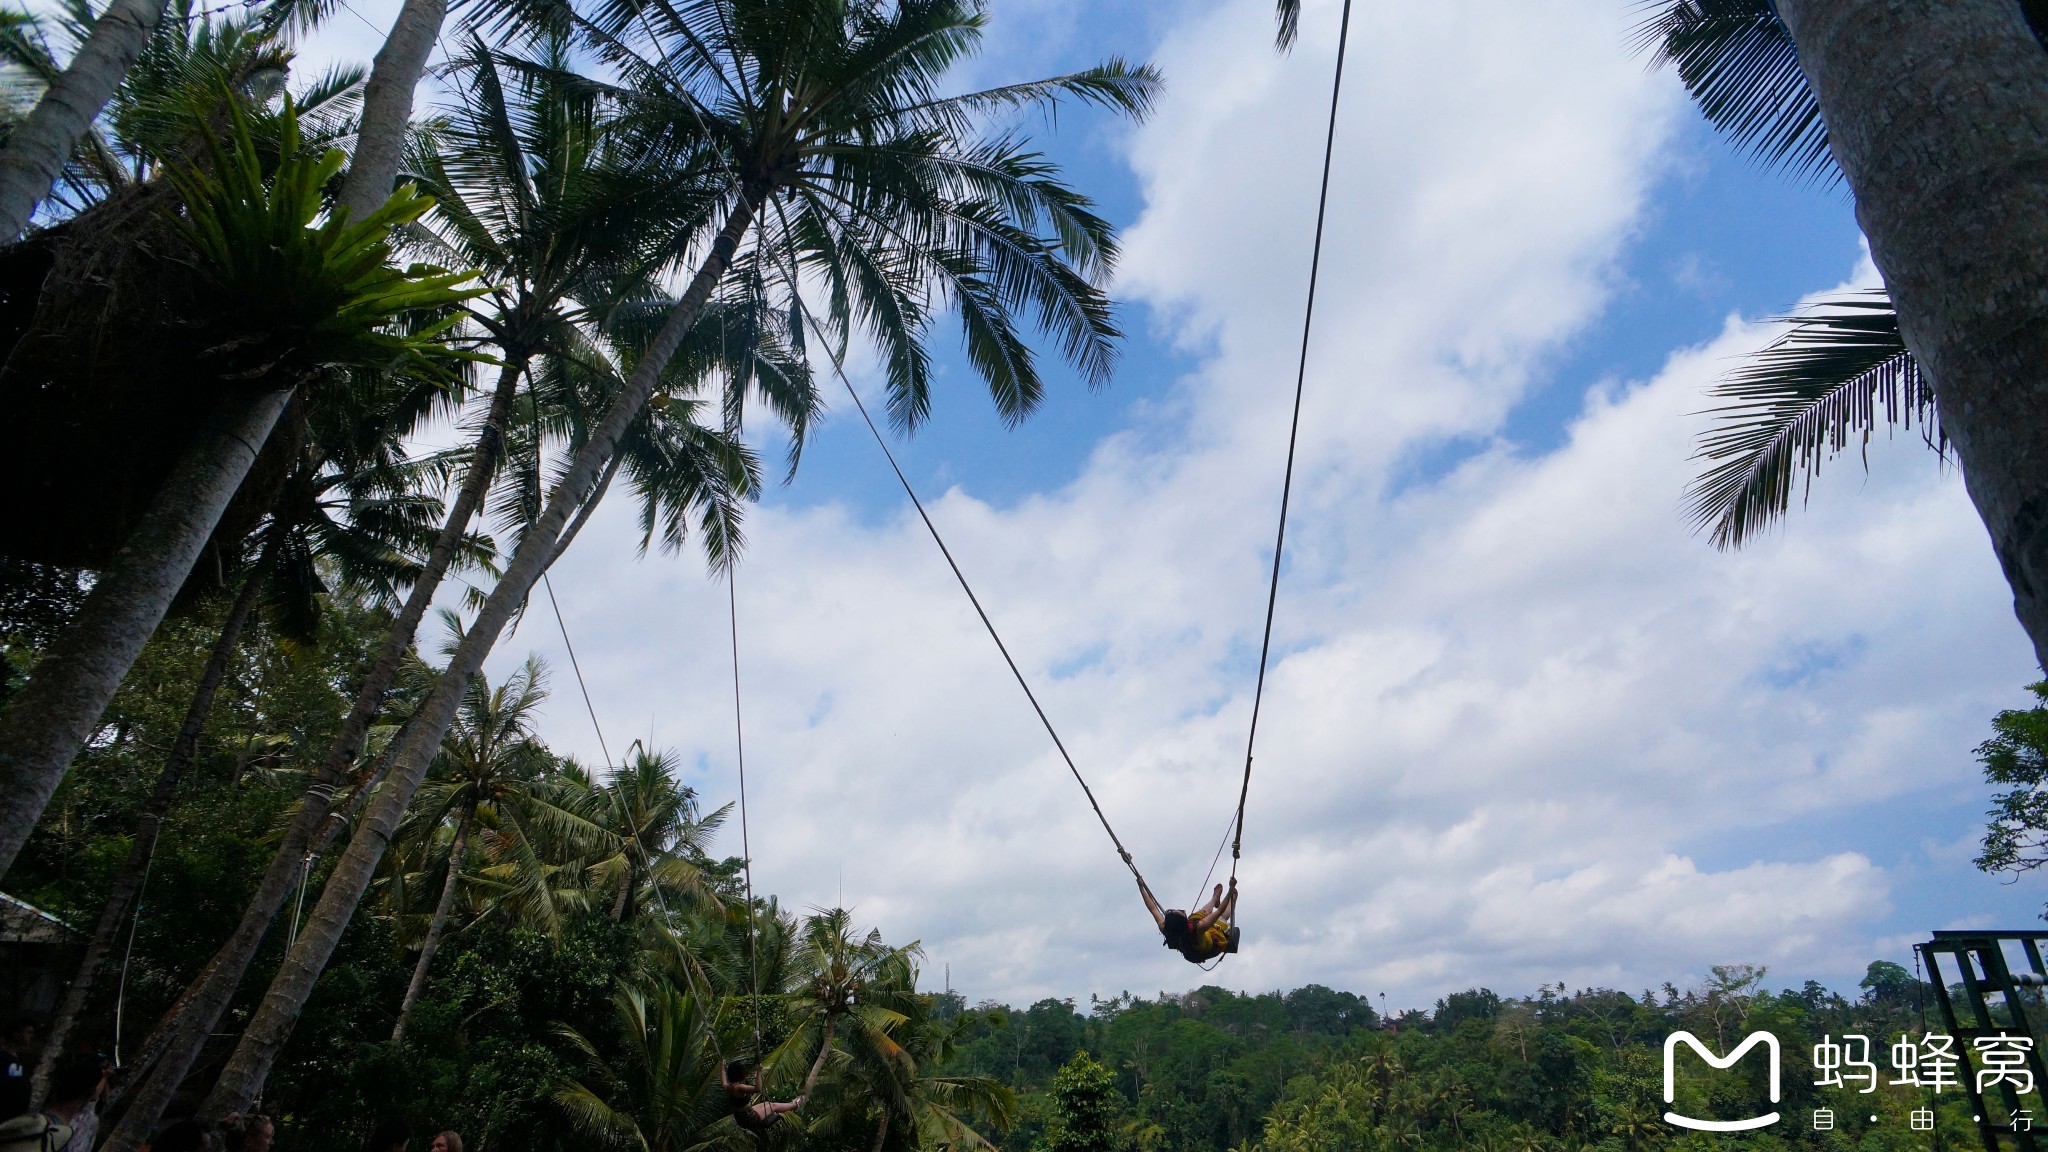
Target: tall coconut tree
x,y
492,759
855,989
286,301
906,1098
363,526
845,159
36,152
192,61
533,193
1840,370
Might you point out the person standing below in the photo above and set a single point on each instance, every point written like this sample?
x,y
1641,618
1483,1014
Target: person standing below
x,y
17,1051
446,1141
74,1088
248,1132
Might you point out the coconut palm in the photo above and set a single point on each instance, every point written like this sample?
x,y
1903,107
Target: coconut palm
x,y
529,193
1841,367
1955,228
36,151
192,61
647,837
909,1102
363,527
826,118
286,303
662,1092
852,988
491,762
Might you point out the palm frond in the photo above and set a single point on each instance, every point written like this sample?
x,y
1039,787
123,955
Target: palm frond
x,y
1288,16
1738,62
1838,372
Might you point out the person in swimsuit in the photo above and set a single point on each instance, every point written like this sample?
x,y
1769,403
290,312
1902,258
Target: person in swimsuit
x,y
1199,936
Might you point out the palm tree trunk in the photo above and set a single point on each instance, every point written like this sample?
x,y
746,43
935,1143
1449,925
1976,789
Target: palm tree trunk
x,y
824,1050
157,1041
1938,116
49,721
387,105
40,146
436,925
265,1036
619,905
129,881
881,1134
197,1013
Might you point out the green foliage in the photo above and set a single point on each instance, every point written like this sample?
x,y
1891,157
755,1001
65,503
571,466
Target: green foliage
x,y
2016,759
1087,1112
297,295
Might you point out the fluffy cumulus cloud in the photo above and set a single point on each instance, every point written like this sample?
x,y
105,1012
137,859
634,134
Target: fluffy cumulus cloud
x,y
1517,709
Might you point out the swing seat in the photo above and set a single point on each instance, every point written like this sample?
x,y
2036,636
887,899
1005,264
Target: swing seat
x,y
1230,949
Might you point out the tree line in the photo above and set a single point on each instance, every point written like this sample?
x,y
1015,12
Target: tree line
x,y
552,956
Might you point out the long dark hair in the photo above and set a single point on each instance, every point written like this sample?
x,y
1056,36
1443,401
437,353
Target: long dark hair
x,y
1176,929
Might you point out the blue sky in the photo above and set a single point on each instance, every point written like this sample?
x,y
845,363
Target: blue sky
x,y
1523,726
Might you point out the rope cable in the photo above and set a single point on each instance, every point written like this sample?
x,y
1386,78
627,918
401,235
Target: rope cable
x,y
839,369
1293,435
577,668
632,823
141,896
299,903
739,741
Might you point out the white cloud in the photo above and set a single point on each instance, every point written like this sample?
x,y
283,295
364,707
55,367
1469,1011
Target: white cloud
x,y
1514,707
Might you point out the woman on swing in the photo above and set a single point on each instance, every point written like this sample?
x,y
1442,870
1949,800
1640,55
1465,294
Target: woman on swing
x,y
1202,935
740,1090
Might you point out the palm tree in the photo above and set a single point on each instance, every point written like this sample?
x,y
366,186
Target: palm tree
x,y
491,759
362,524
909,1098
527,191
1932,114
647,835
321,300
662,1093
854,988
826,119
1841,367
192,61
38,149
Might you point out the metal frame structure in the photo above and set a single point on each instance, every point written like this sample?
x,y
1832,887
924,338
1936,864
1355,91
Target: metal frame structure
x,y
1980,966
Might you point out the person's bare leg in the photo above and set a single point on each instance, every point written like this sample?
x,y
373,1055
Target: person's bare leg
x,y
1209,912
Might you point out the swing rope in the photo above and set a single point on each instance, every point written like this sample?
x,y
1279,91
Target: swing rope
x,y
739,740
617,768
1293,434
576,667
839,368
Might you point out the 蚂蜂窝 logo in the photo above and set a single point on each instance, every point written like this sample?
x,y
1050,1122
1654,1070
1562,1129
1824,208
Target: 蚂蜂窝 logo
x,y
1671,1043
